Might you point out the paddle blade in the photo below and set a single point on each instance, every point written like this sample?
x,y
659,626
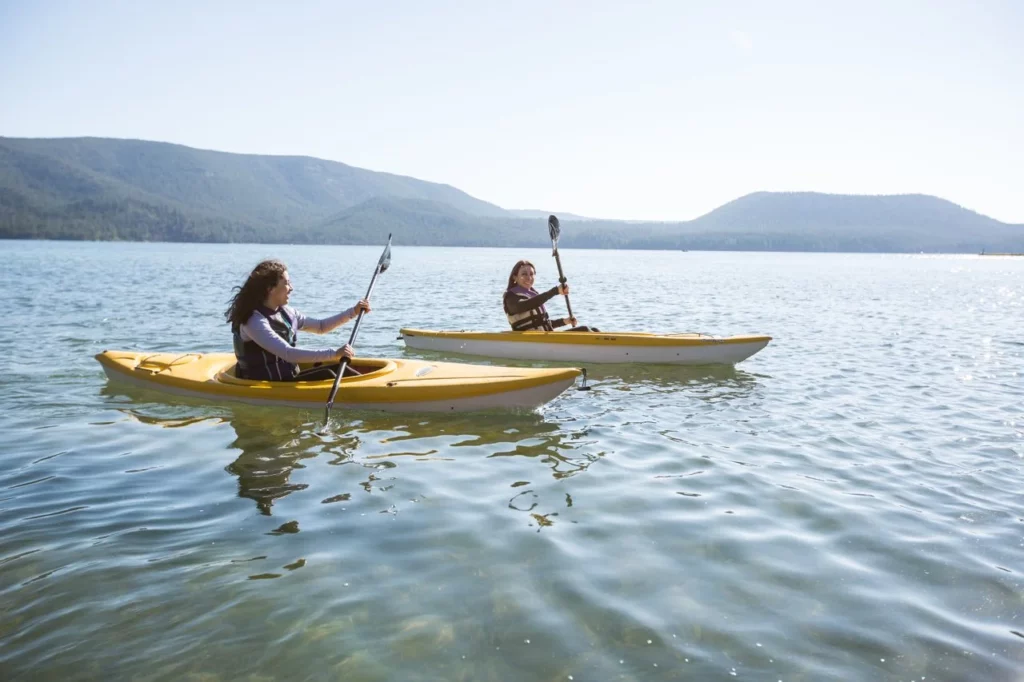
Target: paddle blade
x,y
554,229
385,258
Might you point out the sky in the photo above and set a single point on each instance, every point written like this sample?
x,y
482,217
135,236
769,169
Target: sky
x,y
642,110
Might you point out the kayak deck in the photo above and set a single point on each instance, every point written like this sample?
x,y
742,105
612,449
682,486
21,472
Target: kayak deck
x,y
390,385
596,347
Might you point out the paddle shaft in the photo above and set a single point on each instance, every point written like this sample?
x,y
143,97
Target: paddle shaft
x,y
561,276
351,340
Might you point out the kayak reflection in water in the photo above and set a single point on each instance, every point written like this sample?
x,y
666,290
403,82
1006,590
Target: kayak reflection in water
x,y
524,306
264,328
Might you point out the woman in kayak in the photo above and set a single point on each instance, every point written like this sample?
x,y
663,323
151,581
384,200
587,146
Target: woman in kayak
x,y
264,326
524,306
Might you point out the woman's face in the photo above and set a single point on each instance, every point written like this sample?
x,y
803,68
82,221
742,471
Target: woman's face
x,y
278,296
524,277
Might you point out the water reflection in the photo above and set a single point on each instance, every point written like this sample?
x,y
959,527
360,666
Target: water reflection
x,y
633,376
717,378
268,447
274,443
523,435
564,458
272,449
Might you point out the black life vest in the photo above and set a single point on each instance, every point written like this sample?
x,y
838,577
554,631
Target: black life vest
x,y
261,365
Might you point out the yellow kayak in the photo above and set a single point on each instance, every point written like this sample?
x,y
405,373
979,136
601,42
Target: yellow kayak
x,y
388,385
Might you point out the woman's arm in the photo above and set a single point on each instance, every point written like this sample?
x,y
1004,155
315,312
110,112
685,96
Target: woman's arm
x,y
324,325
258,329
515,305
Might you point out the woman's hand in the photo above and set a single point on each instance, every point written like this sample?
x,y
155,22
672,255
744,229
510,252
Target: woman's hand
x,y
563,289
363,305
346,352
573,322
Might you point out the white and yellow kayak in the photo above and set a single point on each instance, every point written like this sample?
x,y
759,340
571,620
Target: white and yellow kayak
x,y
389,385
591,347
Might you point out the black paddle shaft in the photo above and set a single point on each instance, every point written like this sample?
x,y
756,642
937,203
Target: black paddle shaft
x,y
382,265
561,278
554,230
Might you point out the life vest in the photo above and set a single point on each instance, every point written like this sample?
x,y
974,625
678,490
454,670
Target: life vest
x,y
261,365
534,318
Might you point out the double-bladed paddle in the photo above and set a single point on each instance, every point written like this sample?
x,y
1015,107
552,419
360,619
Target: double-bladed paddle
x,y
382,265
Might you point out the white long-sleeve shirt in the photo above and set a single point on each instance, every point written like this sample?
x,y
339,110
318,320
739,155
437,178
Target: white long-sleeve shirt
x,y
257,328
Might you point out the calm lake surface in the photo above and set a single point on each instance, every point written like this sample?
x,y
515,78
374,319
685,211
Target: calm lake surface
x,y
848,504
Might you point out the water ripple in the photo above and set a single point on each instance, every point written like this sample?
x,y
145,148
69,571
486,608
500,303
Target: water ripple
x,y
845,505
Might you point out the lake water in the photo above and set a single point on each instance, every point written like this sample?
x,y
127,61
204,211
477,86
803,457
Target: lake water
x,y
845,505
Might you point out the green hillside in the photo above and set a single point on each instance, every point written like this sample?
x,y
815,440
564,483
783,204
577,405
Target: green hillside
x,y
106,189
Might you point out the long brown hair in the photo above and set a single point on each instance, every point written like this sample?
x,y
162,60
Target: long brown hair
x,y
253,293
515,271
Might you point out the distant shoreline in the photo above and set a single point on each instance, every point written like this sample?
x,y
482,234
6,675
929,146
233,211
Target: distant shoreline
x,y
510,248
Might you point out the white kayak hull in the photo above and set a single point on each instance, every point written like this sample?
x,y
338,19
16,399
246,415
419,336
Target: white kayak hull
x,y
591,347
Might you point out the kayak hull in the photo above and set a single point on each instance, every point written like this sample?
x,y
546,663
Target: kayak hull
x,y
388,385
591,347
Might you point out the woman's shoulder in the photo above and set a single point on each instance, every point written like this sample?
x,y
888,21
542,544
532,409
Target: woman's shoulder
x,y
285,311
254,316
512,296
259,315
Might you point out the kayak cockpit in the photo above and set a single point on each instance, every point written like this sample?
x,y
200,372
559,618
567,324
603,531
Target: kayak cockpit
x,y
367,368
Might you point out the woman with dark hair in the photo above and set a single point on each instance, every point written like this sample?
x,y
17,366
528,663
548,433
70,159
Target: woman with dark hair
x,y
524,305
264,329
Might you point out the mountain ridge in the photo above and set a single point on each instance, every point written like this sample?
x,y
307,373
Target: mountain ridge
x,y
104,188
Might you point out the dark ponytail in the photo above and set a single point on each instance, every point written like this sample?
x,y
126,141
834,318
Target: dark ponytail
x,y
253,293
